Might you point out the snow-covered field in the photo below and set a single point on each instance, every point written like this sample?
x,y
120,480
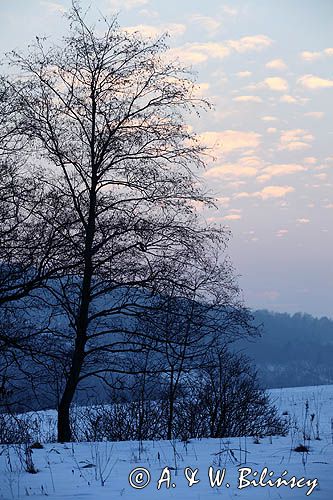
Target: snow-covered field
x,y
85,471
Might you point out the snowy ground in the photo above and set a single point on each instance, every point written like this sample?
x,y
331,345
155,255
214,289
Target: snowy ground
x,y
93,471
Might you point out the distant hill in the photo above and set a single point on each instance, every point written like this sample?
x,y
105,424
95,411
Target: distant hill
x,y
293,350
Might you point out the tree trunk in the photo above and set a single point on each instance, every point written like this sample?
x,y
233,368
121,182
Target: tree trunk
x,y
64,428
171,405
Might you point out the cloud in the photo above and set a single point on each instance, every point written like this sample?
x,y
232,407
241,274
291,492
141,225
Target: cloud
x,y
321,167
310,160
295,139
328,51
244,74
322,176
307,55
315,114
146,30
274,192
279,170
230,171
174,29
288,99
310,56
247,98
247,166
53,6
276,83
268,192
313,82
271,130
127,4
281,232
277,64
151,31
196,53
223,201
232,217
200,90
295,146
235,184
250,43
151,14
231,11
230,140
206,22
269,118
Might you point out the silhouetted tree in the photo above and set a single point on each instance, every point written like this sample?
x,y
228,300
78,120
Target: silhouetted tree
x,y
27,241
184,328
105,113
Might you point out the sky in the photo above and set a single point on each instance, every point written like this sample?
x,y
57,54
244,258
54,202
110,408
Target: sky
x,y
267,67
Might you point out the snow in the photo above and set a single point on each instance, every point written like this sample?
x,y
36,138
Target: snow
x,y
93,471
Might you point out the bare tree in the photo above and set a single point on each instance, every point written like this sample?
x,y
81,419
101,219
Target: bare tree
x,y
184,328
26,243
105,115
26,239
228,395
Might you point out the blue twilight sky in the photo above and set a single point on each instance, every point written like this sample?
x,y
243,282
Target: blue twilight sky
x,y
268,68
